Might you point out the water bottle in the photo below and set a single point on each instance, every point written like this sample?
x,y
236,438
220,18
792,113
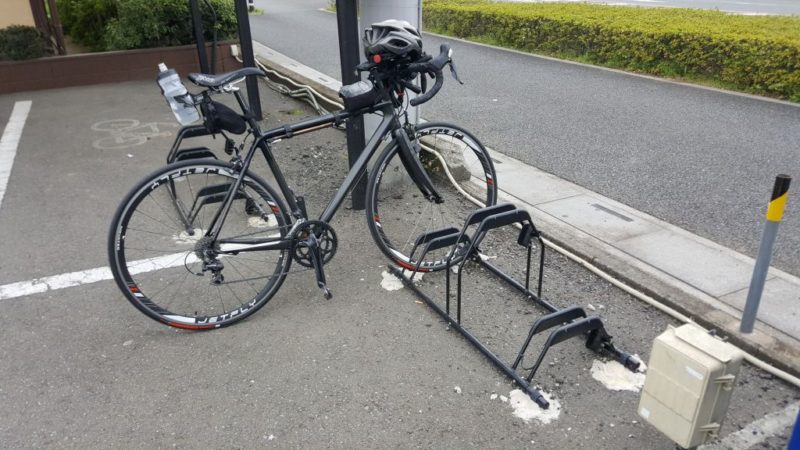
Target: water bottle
x,y
171,87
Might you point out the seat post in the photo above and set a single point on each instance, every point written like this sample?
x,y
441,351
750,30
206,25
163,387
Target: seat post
x,y
246,112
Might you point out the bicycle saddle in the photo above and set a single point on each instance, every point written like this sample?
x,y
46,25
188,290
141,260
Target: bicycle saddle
x,y
215,81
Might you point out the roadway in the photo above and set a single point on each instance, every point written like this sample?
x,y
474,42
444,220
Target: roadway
x,y
698,158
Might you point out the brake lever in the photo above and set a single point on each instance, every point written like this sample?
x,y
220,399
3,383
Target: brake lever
x,y
412,87
365,66
453,71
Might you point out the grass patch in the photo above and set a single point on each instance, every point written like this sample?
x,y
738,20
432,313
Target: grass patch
x,y
294,112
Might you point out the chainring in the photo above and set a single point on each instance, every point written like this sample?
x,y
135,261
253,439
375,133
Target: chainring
x,y
327,242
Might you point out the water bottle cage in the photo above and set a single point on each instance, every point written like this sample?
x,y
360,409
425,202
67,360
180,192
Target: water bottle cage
x,y
189,100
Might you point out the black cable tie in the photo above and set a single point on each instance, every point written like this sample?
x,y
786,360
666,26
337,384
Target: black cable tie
x,y
337,119
288,131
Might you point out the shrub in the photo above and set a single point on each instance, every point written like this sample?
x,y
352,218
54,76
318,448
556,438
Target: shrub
x,y
85,20
755,54
22,42
147,23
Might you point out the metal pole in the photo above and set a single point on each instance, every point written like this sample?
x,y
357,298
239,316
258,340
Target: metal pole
x,y
246,42
347,18
197,20
774,215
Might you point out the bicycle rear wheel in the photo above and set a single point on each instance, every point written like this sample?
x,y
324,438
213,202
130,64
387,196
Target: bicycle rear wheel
x,y
462,172
159,254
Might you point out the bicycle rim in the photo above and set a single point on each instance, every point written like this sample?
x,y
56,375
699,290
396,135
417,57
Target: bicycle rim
x,y
397,213
157,246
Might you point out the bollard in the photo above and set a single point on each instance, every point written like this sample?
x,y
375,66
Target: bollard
x,y
794,442
774,215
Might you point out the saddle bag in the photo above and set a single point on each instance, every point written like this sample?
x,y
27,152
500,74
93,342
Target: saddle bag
x,y
220,117
359,95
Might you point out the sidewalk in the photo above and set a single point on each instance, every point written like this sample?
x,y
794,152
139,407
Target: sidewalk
x,y
694,275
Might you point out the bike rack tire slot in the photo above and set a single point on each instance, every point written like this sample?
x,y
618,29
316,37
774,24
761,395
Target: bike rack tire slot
x,y
565,323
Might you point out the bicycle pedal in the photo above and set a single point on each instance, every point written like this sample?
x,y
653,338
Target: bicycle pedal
x,y
326,292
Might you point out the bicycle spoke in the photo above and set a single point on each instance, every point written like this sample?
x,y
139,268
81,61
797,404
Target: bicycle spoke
x,y
176,223
233,266
171,228
175,282
154,296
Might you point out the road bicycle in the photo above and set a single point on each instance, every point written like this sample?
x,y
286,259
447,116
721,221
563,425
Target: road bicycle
x,y
204,243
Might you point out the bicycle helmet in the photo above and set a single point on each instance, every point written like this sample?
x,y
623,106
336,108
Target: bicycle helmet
x,y
392,39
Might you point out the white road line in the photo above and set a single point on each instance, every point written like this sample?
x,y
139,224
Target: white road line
x,y
65,280
10,141
758,431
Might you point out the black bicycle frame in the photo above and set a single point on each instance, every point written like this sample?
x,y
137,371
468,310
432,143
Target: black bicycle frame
x,y
389,124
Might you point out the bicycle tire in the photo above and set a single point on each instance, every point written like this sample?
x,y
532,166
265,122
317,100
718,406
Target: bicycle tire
x,y
396,210
156,246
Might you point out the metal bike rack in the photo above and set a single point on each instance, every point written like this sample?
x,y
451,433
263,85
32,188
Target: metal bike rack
x,y
568,323
176,153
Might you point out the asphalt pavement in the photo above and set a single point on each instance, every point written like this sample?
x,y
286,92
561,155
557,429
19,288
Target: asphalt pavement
x,y
701,159
370,368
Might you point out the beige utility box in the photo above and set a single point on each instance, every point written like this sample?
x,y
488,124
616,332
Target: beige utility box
x,y
689,384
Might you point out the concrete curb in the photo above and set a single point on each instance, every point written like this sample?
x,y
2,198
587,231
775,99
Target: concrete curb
x,y
327,87
766,342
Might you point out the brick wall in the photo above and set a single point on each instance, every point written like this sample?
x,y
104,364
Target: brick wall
x,y
105,67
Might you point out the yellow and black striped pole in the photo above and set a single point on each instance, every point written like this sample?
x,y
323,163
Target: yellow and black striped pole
x,y
777,205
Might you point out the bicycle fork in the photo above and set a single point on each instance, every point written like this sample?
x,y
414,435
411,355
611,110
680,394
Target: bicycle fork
x,y
409,155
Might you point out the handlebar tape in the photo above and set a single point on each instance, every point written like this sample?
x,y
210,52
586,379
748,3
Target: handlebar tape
x,y
427,96
434,66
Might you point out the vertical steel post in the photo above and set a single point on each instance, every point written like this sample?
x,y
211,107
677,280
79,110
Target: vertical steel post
x,y
774,215
197,21
246,42
349,55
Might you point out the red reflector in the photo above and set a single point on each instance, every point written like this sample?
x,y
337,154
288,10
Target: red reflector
x,y
376,59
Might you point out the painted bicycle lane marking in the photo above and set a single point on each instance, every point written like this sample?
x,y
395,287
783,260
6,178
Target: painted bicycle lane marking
x,y
127,133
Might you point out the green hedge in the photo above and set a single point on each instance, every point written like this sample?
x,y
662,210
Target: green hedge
x,y
85,20
162,23
756,54
19,42
128,24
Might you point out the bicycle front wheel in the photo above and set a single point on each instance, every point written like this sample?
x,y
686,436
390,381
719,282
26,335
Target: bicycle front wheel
x,y
462,172
165,265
